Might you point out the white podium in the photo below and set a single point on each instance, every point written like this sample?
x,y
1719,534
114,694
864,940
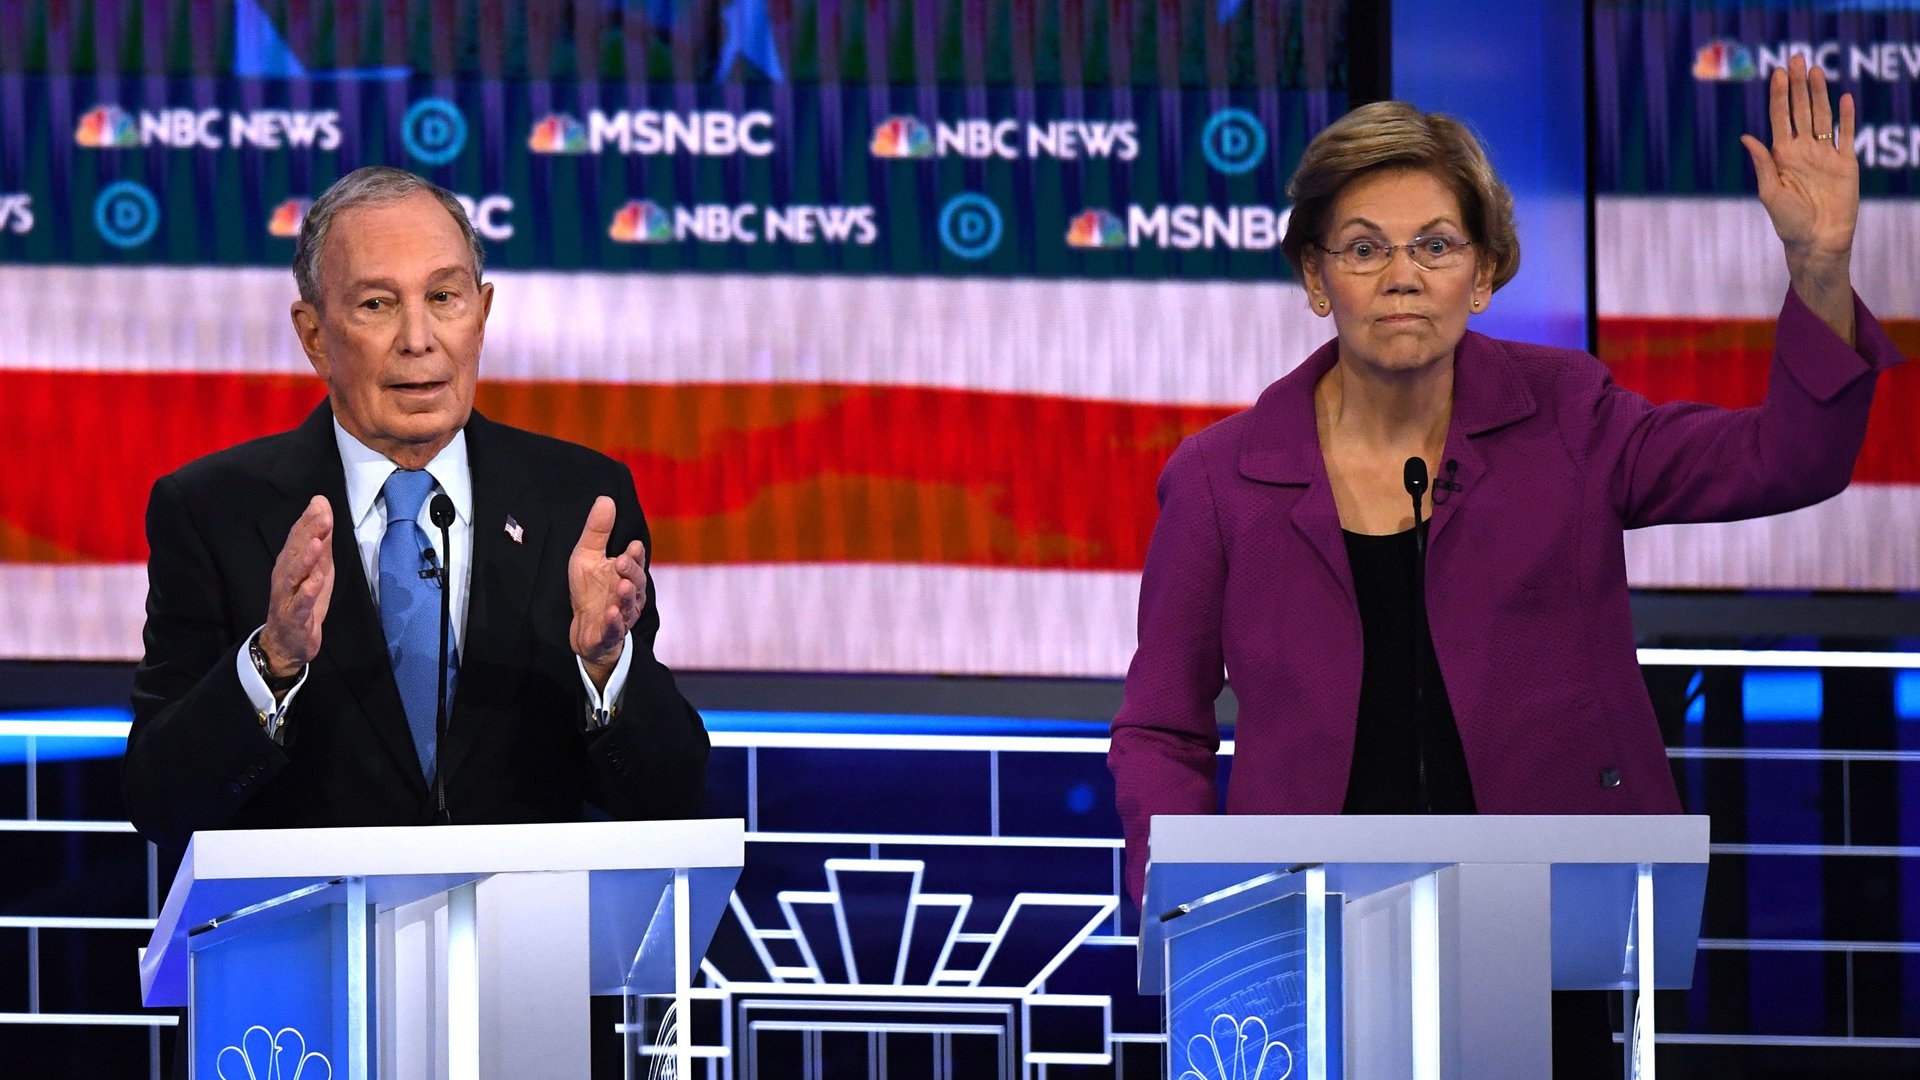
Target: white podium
x,y
464,952
1409,947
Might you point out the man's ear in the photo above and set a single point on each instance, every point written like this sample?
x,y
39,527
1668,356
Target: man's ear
x,y
306,327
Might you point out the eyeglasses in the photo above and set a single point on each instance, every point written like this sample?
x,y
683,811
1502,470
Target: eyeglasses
x,y
1366,256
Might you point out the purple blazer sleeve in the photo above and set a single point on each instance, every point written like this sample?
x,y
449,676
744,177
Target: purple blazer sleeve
x,y
1687,462
1165,735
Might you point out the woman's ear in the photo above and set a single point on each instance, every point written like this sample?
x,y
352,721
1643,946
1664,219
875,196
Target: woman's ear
x,y
1311,269
1482,296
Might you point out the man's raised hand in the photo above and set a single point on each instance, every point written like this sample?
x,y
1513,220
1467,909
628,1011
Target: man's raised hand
x,y
609,594
301,590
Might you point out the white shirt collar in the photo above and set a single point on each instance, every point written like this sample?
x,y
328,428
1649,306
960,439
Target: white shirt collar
x,y
367,471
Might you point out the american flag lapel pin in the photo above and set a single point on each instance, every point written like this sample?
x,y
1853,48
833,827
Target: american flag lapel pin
x,y
515,531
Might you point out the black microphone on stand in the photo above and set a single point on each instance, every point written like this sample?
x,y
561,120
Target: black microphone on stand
x,y
1416,482
441,513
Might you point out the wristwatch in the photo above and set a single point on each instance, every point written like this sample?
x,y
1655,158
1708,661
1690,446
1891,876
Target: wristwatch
x,y
278,684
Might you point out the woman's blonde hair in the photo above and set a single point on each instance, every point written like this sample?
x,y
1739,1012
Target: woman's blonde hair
x,y
1395,135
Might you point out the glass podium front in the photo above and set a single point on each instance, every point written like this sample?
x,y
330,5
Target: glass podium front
x,y
1426,948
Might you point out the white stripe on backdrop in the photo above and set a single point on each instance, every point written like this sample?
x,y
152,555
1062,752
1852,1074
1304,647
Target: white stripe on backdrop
x,y
1179,342
807,617
1719,258
1210,343
894,618
1127,341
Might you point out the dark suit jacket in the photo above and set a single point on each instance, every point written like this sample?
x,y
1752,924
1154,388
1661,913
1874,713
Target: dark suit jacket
x,y
516,750
1526,577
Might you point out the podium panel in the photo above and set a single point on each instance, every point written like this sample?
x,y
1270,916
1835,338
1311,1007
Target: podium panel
x,y
467,952
304,1017
1249,982
1417,947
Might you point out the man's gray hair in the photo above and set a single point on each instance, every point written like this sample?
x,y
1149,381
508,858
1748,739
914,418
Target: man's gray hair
x,y
371,185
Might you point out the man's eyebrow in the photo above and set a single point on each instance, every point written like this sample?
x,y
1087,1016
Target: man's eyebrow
x,y
389,285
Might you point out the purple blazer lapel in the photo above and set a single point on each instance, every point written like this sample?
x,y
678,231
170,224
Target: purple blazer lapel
x,y
1282,446
1488,394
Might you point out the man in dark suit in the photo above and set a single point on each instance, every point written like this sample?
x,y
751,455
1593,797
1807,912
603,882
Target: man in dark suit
x,y
293,611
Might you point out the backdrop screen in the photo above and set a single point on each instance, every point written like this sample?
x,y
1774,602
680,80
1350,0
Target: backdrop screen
x,y
1690,275
894,308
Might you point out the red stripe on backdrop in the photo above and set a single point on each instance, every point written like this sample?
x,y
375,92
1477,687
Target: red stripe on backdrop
x,y
81,451
728,473
790,472
1726,362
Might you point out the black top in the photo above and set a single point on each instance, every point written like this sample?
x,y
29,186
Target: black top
x,y
1386,748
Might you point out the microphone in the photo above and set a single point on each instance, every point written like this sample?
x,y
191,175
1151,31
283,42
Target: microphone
x,y
440,511
1446,486
1415,475
1415,478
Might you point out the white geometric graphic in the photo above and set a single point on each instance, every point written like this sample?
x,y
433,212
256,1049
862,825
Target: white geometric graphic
x,y
873,961
1241,1040
258,1058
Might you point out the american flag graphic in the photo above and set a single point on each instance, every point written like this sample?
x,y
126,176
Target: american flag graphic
x,y
949,471
900,476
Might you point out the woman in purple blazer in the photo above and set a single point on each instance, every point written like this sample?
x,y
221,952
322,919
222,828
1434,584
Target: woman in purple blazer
x,y
1286,550
1283,556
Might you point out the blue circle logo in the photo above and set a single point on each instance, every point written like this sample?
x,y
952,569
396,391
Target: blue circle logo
x,y
970,225
434,131
1234,141
126,214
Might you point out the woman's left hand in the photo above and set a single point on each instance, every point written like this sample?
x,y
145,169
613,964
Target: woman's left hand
x,y
1810,186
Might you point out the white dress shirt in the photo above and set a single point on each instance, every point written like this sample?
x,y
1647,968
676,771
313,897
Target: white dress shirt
x,y
367,471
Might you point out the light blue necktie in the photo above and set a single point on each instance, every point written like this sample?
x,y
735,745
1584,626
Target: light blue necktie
x,y
410,608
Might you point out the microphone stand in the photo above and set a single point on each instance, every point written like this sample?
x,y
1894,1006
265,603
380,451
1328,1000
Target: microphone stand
x,y
1416,483
442,515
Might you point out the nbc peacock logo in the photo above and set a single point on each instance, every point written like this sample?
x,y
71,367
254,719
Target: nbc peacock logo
x,y
106,127
287,217
641,221
1236,1049
558,133
1096,229
1724,60
901,137
264,1055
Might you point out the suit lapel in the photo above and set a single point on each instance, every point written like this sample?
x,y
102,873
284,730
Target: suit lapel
x,y
352,645
1488,394
1470,470
1317,517
1282,446
500,593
